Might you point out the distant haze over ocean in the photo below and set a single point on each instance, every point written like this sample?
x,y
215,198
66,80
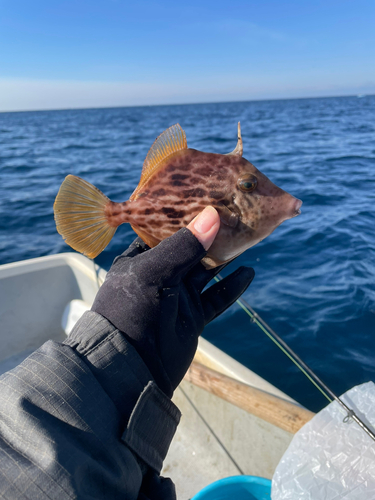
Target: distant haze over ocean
x,y
315,275
53,95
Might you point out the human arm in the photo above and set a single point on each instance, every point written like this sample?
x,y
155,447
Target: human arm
x,y
75,417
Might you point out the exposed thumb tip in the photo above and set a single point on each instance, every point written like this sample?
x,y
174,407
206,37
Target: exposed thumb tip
x,y
205,226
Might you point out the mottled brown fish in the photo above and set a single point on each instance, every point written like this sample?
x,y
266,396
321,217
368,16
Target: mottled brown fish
x,y
176,184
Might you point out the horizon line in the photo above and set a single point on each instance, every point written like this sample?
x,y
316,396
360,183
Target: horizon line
x,y
187,103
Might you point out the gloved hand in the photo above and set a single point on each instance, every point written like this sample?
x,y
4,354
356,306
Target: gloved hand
x,y
154,297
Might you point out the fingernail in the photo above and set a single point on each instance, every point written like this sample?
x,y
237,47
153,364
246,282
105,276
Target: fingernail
x,y
205,226
205,220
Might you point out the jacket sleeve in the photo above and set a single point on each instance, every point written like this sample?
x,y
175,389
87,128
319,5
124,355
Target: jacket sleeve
x,y
84,419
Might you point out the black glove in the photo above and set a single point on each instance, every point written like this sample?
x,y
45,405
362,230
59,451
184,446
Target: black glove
x,y
154,297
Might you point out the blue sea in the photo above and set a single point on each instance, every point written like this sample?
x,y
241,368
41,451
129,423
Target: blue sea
x,y
315,275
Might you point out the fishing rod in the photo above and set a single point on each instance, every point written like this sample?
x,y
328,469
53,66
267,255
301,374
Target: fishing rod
x,y
305,369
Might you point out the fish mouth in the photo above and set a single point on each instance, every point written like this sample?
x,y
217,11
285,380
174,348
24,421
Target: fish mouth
x,y
297,207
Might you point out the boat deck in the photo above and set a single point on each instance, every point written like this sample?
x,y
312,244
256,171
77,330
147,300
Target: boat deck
x,y
216,439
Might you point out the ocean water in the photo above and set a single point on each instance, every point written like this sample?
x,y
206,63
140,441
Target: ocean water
x,y
315,275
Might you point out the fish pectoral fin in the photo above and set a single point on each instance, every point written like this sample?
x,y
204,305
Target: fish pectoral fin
x,y
227,217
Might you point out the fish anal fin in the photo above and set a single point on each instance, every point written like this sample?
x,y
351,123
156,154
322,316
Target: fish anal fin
x,y
169,142
151,241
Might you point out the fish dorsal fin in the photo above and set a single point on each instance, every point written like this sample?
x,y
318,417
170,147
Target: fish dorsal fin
x,y
170,141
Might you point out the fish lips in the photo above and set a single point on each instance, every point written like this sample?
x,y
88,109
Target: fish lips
x,y
297,207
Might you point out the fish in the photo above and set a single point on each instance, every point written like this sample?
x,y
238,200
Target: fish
x,y
176,184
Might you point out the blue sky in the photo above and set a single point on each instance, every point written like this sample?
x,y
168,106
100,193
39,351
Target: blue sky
x,y
92,53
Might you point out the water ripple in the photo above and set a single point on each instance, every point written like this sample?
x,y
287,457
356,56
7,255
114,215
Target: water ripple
x,y
315,275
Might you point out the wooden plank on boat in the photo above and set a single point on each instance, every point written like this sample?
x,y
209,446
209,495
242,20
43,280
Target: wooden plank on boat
x,y
272,409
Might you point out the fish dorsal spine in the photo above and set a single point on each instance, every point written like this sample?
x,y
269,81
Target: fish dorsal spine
x,y
170,141
238,150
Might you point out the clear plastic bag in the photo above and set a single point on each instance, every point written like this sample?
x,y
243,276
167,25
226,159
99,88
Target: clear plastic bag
x,y
329,459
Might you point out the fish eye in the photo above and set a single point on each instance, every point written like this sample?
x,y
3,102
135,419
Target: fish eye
x,y
247,183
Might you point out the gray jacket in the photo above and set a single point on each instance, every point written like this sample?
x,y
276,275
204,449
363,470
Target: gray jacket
x,y
84,419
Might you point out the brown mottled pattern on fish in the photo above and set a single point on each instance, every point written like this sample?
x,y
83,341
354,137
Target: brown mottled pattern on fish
x,y
177,186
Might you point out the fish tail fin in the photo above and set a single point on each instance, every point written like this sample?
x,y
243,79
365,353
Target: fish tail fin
x,y
80,216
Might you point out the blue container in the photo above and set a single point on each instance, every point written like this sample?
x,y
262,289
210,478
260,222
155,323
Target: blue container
x,y
237,488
